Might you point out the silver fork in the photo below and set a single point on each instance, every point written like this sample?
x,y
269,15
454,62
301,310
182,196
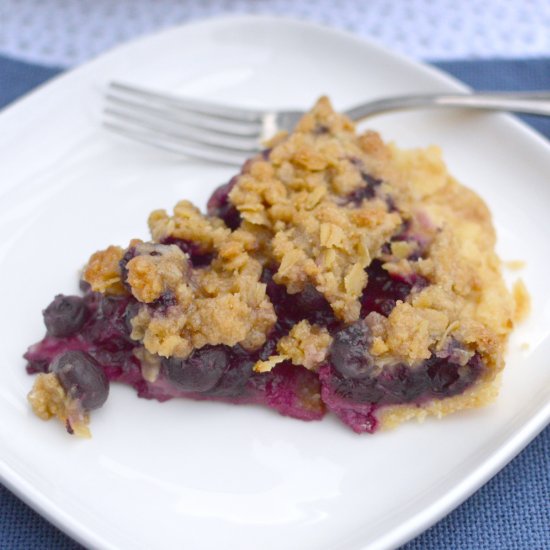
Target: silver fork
x,y
230,135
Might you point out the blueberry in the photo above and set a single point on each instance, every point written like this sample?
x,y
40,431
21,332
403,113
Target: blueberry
x,y
233,380
349,351
82,378
403,383
443,376
65,315
200,372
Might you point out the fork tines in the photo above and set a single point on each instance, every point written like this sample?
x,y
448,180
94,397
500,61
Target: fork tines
x,y
186,126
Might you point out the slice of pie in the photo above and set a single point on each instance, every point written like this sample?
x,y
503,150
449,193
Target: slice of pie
x,y
334,273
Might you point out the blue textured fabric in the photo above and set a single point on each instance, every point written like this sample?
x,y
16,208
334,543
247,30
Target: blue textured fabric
x,y
17,78
533,74
512,511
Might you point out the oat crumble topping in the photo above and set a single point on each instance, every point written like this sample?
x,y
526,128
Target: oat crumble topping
x,y
48,399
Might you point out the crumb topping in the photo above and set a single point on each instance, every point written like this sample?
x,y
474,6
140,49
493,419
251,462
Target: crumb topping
x,y
305,345
103,272
156,270
300,200
48,399
188,224
522,301
188,309
412,332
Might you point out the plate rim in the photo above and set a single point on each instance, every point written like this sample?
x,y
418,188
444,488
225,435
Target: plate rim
x,y
417,522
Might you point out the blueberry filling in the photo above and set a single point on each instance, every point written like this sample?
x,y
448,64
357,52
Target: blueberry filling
x,y
405,234
132,309
399,383
219,205
109,328
164,301
356,377
366,192
236,375
308,304
270,346
383,289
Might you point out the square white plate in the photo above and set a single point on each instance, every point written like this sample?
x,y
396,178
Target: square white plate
x,y
203,475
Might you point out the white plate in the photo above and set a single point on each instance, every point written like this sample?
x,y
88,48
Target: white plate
x,y
210,476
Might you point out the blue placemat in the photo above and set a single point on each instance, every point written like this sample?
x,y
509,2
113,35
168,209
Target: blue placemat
x,y
17,78
512,511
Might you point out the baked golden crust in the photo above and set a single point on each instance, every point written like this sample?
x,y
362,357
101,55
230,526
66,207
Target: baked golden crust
x,y
479,395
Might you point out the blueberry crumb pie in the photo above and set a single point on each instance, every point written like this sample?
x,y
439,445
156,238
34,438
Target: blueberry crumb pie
x,y
334,273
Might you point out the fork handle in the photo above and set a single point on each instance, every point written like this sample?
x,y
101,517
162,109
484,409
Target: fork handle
x,y
533,103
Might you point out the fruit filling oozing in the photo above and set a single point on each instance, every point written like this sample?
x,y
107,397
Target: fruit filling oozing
x,y
334,273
